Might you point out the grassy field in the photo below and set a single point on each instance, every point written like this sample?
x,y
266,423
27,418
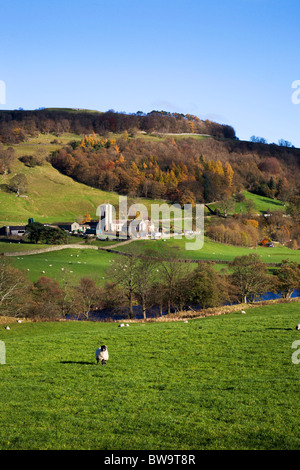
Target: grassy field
x,y
211,250
70,263
225,382
261,204
86,262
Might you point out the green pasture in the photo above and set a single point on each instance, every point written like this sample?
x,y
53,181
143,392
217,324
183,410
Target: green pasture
x,y
211,250
225,382
12,247
68,263
262,204
87,262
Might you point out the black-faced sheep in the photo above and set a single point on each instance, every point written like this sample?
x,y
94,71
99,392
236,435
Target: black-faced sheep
x,y
102,355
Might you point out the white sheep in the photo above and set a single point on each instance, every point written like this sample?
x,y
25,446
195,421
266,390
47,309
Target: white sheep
x,y
243,311
102,355
298,326
121,325
7,328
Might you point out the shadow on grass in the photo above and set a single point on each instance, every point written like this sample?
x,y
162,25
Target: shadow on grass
x,y
285,329
79,362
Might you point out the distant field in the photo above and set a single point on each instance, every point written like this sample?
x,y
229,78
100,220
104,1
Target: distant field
x,y
96,263
225,382
212,251
261,204
70,263
14,247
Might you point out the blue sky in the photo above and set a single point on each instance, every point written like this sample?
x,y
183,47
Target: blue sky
x,y
230,61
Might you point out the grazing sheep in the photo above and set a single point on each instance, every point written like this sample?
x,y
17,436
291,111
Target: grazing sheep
x,y
127,324
243,311
19,321
298,326
7,328
102,355
121,324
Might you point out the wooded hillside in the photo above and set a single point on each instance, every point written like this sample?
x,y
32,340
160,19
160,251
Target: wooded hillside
x,y
15,126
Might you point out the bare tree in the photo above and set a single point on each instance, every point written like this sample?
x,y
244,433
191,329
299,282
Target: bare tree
x,y
14,289
144,274
86,297
7,158
122,274
173,274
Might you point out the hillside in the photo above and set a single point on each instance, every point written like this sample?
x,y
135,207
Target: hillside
x,y
52,196
69,172
16,126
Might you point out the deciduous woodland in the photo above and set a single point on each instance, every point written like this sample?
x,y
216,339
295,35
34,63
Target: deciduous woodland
x,y
15,126
180,170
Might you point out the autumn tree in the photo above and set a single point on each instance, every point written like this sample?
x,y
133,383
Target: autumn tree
x,y
229,173
47,299
207,288
86,219
288,278
250,276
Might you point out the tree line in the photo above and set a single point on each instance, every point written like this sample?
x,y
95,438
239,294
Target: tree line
x,y
16,126
164,284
